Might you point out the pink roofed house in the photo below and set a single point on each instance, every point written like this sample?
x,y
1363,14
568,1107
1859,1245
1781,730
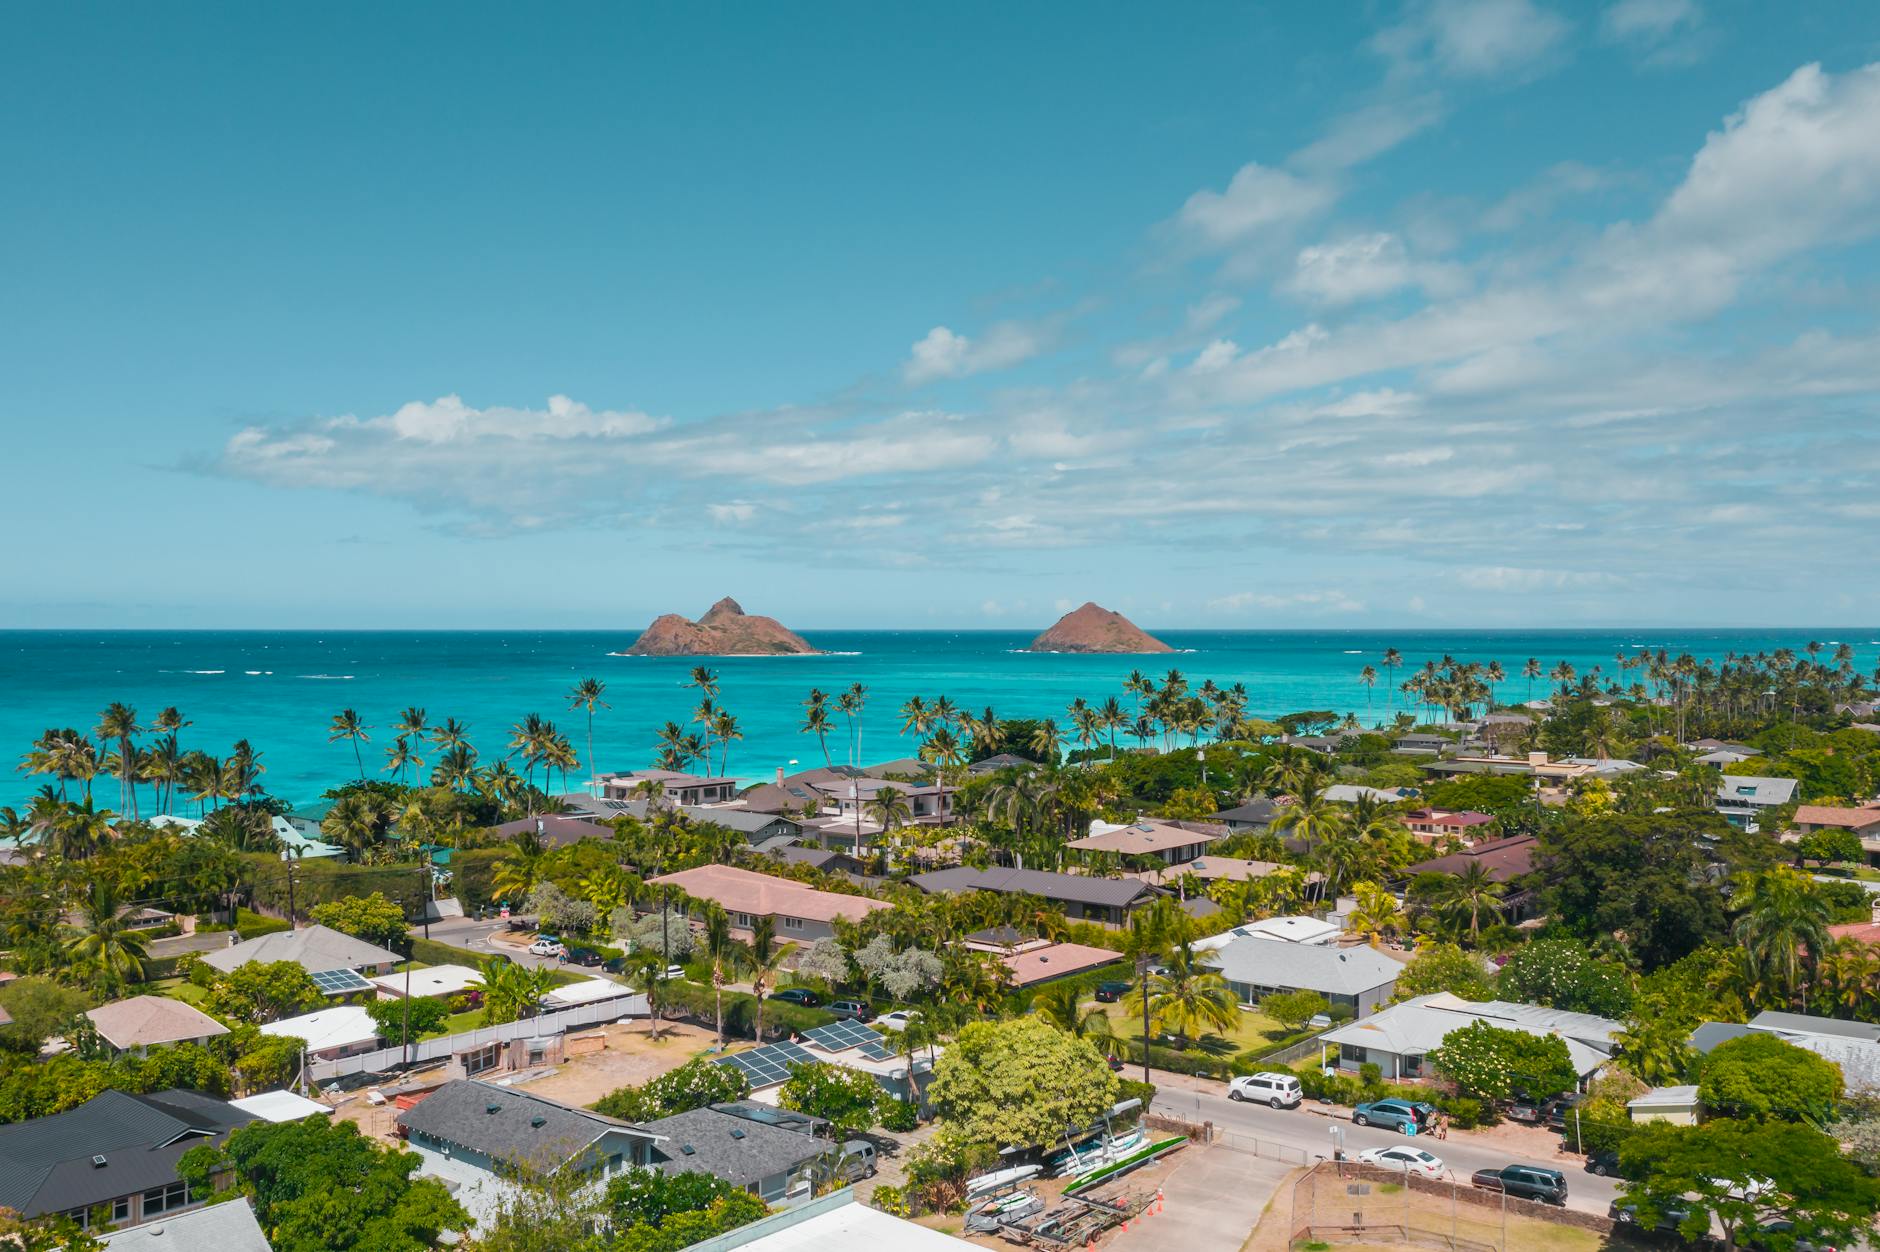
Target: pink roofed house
x,y
799,912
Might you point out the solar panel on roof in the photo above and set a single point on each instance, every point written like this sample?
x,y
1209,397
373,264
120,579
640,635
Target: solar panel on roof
x,y
339,981
838,1036
768,1065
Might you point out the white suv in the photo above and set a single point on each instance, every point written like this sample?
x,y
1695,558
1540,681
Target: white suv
x,y
1282,1091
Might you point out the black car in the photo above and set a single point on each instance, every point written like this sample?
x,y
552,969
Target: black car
x,y
1111,992
1603,1164
615,965
797,995
1669,1219
1525,1182
584,956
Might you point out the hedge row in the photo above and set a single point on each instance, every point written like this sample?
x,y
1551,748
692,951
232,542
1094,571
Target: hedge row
x,y
431,952
699,1004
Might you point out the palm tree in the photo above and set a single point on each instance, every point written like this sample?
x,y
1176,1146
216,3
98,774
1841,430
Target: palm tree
x,y
889,809
356,822
1048,742
1495,675
1187,1001
1391,660
646,973
1367,678
1530,671
1783,930
850,704
763,960
1114,718
457,768
1473,892
346,725
944,751
724,729
411,723
1062,1005
78,830
118,724
816,720
723,952
916,717
399,757
519,869
586,694
452,734
163,768
106,948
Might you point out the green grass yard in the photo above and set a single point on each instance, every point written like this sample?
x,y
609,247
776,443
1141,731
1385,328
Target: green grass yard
x,y
1254,1029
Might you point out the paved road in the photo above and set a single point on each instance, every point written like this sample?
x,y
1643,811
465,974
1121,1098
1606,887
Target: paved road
x,y
1309,1131
475,935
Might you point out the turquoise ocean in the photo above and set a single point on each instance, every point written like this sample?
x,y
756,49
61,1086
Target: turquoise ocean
x,y
280,689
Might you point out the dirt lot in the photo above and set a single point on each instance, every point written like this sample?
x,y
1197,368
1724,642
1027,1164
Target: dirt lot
x,y
631,1057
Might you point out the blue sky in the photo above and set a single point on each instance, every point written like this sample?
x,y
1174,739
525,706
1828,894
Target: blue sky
x,y
1465,312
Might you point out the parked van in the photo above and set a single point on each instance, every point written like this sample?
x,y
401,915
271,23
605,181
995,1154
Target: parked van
x,y
856,1162
1282,1091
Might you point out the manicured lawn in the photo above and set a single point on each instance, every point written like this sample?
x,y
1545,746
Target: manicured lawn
x,y
1253,1030
178,989
459,1023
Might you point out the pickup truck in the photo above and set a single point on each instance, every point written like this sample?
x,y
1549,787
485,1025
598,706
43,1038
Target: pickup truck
x,y
1524,1182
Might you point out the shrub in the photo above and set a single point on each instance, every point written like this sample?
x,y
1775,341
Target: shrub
x,y
899,1117
693,1085
251,925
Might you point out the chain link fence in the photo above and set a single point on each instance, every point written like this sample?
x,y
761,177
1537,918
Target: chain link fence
x,y
1343,1202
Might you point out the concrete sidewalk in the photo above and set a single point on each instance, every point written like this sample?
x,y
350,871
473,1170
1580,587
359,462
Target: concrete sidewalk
x,y
1212,1199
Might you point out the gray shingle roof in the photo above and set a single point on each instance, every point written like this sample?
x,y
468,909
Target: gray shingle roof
x,y
1307,966
509,1127
313,948
46,1164
736,1149
1079,888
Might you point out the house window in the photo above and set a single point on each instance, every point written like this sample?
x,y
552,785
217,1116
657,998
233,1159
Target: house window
x,y
163,1199
1350,1054
478,1060
121,1209
741,920
793,923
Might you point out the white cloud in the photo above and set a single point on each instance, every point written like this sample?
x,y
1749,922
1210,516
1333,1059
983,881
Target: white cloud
x,y
1315,602
1647,23
943,354
1259,199
1363,267
1370,131
1473,38
735,513
1512,578
1216,356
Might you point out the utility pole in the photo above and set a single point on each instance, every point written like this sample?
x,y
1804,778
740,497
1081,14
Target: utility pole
x,y
405,1029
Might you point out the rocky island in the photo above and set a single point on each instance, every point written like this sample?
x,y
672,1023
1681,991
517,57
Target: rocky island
x,y
1094,628
725,630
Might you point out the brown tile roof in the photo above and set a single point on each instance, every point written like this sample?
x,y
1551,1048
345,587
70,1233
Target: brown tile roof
x,y
1838,815
143,1021
1146,837
1057,960
761,895
1504,859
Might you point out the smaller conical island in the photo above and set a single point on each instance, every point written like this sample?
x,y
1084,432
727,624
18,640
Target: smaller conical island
x,y
725,630
1094,628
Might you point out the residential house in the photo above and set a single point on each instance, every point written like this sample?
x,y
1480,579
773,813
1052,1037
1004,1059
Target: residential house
x,y
836,1223
674,787
229,1227
478,1137
431,981
846,1045
775,1164
733,815
331,1033
1863,820
1171,843
1107,901
1350,793
1536,765
116,1152
554,830
1255,966
307,818
1433,825
320,950
1256,814
1211,869
282,1106
998,761
143,1022
1854,1046
1308,930
1605,767
1032,961
927,803
1728,754
799,912
1421,745
1399,1039
786,850
1505,860
1741,797
1677,1105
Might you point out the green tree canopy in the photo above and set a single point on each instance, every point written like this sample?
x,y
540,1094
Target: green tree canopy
x,y
321,1186
1562,974
1494,1064
1020,1082
693,1085
261,992
1293,1009
427,1014
372,918
1741,1173
1445,967
40,1008
1760,1076
1641,878
849,1100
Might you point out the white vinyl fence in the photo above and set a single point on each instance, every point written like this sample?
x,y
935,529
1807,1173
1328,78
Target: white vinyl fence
x,y
546,1026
